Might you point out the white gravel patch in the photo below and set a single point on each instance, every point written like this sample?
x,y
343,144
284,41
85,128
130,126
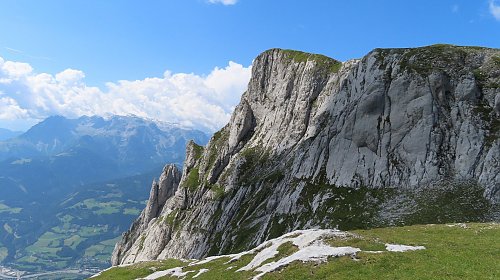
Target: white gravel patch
x,y
313,253
203,270
402,248
177,271
461,225
209,259
262,256
300,238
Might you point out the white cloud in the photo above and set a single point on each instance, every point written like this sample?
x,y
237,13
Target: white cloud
x,y
203,102
70,76
14,69
9,109
455,8
495,9
227,81
223,2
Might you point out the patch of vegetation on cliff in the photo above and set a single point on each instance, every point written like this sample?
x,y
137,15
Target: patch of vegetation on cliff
x,y
436,57
243,240
380,55
483,75
198,150
491,122
451,202
275,176
255,168
496,60
479,75
244,225
170,218
255,161
141,244
218,191
322,61
279,225
357,207
215,244
343,207
216,144
193,179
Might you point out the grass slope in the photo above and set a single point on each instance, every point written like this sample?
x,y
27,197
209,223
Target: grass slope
x,y
453,251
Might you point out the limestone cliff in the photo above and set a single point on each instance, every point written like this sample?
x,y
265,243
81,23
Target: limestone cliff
x,y
161,191
400,136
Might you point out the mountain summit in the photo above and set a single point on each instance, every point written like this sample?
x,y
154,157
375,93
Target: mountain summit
x,y
401,136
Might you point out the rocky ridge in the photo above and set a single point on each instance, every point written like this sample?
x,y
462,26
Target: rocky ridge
x,y
400,136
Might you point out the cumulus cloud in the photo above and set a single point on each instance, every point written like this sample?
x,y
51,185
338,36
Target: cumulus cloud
x,y
223,2
14,69
495,9
203,102
9,109
70,76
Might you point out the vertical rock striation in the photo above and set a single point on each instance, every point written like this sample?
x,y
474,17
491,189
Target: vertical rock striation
x,y
400,136
161,191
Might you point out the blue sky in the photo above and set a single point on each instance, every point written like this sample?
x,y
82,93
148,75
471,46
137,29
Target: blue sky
x,y
109,41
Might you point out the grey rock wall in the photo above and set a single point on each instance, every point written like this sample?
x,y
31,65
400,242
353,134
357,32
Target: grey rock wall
x,y
399,136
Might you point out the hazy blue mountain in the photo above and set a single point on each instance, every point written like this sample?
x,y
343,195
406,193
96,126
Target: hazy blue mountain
x,y
7,134
123,139
61,152
55,167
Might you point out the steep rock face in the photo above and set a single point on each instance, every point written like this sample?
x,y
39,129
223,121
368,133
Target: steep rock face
x,y
161,191
400,136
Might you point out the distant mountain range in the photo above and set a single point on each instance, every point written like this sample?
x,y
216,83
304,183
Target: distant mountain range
x,y
46,169
128,142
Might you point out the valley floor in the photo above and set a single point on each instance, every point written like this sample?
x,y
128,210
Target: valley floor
x,y
451,251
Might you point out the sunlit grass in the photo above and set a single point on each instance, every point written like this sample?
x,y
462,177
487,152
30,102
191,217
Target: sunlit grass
x,y
455,251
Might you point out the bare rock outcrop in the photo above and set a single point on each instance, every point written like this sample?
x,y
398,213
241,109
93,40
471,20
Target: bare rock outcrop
x,y
161,191
400,136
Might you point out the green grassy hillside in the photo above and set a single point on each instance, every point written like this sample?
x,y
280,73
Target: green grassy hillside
x,y
452,251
